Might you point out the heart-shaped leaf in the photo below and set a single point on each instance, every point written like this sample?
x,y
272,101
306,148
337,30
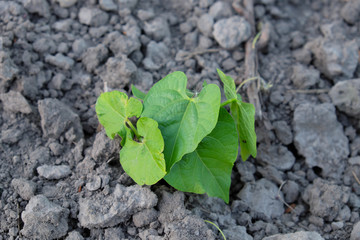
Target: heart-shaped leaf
x,y
113,109
244,116
208,168
229,85
143,160
137,93
184,121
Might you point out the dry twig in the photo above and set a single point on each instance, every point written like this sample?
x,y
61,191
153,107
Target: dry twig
x,y
251,63
310,91
356,178
282,200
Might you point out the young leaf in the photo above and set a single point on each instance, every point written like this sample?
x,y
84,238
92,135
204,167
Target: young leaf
x,y
137,93
208,168
144,161
183,121
229,85
244,116
204,83
189,93
113,109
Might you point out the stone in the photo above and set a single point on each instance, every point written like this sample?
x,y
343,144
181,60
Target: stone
x,y
291,191
302,55
119,72
149,234
337,225
355,233
231,32
350,11
283,132
337,60
303,77
57,118
145,217
271,173
56,148
157,55
44,219
129,4
177,222
63,25
74,235
229,64
300,235
205,3
326,199
329,148
63,48
105,148
99,211
205,24
191,40
54,172
44,45
204,42
145,14
8,70
189,228
122,44
220,9
11,135
346,97
40,7
157,29
15,102
94,56
61,61
237,232
108,5
40,155
26,189
59,82
79,46
277,156
94,183
114,233
246,170
261,197
93,17
67,3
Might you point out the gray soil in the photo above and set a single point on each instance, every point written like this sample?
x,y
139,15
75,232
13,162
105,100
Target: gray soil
x,y
60,176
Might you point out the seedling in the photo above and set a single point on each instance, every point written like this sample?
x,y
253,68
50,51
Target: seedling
x,y
188,139
217,227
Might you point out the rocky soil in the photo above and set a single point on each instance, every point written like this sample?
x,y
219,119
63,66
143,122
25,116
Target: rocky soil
x,y
60,176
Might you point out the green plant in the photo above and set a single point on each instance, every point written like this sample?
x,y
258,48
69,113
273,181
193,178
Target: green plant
x,y
189,139
217,227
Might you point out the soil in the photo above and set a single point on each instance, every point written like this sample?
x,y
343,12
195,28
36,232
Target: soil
x,y
60,176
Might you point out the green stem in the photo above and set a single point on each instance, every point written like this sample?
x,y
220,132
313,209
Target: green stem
x,y
222,234
133,129
246,80
227,102
256,39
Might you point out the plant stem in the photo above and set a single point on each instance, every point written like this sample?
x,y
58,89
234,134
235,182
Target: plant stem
x,y
227,102
222,234
133,129
245,81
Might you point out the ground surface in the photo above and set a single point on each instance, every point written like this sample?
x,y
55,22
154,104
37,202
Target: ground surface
x,y
60,177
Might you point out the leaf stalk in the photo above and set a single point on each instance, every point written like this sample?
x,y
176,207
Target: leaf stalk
x,y
133,129
227,102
